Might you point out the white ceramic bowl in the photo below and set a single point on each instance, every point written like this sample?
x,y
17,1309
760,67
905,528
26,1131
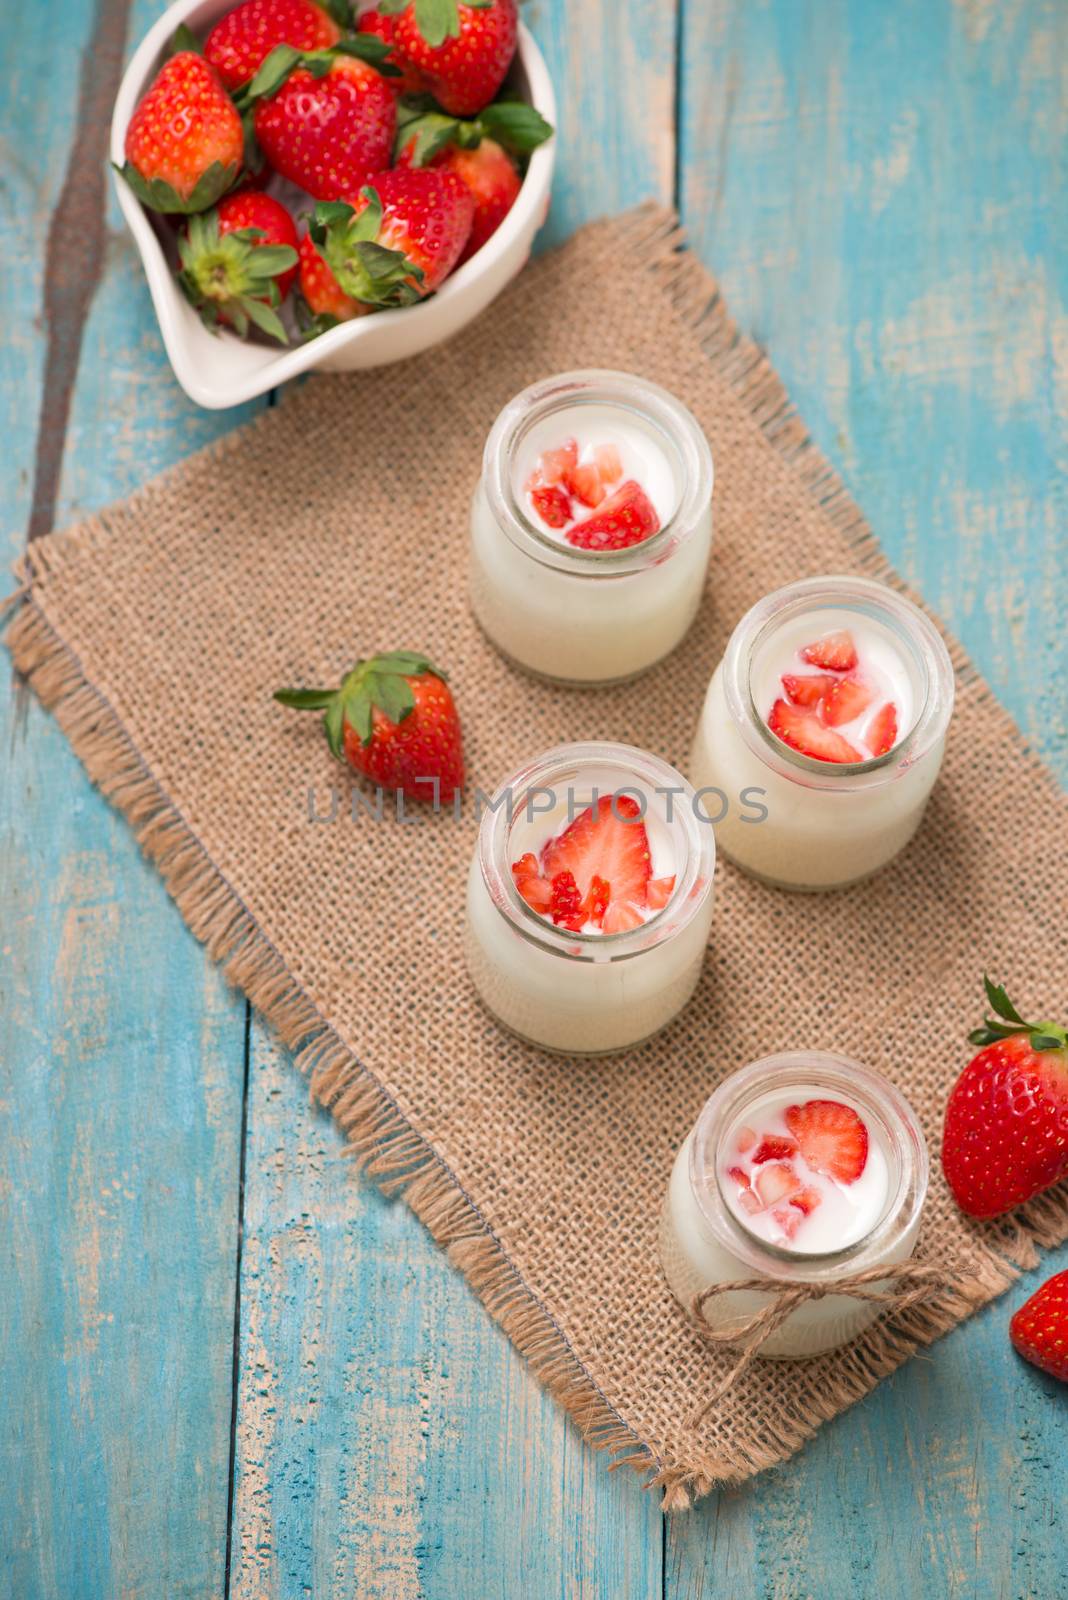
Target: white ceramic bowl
x,y
218,369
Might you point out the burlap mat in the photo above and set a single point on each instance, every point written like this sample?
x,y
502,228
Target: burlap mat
x,y
337,525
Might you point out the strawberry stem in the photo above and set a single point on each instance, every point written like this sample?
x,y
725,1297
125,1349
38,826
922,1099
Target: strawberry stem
x,y
1007,1021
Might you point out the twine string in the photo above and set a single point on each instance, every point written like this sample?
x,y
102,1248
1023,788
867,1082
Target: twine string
x,y
895,1288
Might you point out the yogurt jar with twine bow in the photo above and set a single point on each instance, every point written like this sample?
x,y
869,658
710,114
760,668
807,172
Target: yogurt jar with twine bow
x,y
775,1257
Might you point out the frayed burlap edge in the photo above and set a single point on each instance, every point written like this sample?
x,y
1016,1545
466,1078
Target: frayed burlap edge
x,y
380,1139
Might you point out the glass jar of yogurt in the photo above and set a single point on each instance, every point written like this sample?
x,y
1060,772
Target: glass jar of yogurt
x,y
591,527
830,709
589,898
802,1168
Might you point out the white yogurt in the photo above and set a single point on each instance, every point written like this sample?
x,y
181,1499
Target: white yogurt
x,y
587,616
827,825
588,992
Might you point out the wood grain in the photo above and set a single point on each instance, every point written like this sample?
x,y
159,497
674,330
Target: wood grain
x,y
881,192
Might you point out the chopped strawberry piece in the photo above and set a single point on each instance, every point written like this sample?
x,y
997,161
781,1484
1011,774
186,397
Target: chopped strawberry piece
x,y
802,730
746,1140
625,518
566,901
552,504
835,651
609,842
807,689
846,700
596,902
777,1181
806,1200
789,1221
659,892
620,917
554,465
535,890
832,1137
585,484
882,735
775,1147
746,1198
608,462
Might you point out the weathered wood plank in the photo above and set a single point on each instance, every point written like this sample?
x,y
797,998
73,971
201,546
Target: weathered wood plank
x,y
390,1441
121,1052
419,1457
880,191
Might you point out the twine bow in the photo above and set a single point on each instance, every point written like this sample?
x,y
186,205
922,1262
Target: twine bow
x,y
901,1286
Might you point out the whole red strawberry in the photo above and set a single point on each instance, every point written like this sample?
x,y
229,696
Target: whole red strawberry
x,y
382,27
238,262
400,239
460,52
328,126
241,41
394,720
1006,1128
479,152
1039,1330
324,297
185,144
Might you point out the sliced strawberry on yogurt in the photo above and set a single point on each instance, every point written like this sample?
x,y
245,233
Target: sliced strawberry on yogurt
x,y
554,465
608,841
832,1137
882,735
835,651
803,731
565,905
846,701
776,1182
808,688
746,1198
658,892
584,482
789,1221
806,1200
609,464
552,504
621,917
774,1147
535,890
625,518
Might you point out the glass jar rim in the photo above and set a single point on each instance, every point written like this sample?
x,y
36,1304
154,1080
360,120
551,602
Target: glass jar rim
x,y
877,1097
888,606
628,392
692,886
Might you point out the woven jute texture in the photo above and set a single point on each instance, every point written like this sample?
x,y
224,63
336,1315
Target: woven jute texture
x,y
335,525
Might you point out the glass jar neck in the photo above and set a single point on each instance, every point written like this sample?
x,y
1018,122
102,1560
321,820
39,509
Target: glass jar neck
x,y
659,413
922,648
885,1110
556,788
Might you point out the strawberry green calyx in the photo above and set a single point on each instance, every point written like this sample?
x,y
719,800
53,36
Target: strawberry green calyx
x,y
512,123
1007,1021
231,278
379,683
285,59
367,271
437,20
159,195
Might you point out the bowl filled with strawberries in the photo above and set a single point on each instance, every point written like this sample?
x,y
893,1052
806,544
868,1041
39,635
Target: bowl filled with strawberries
x,y
317,184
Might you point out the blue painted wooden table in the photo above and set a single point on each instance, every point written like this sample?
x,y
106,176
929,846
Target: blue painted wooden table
x,y
226,1368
